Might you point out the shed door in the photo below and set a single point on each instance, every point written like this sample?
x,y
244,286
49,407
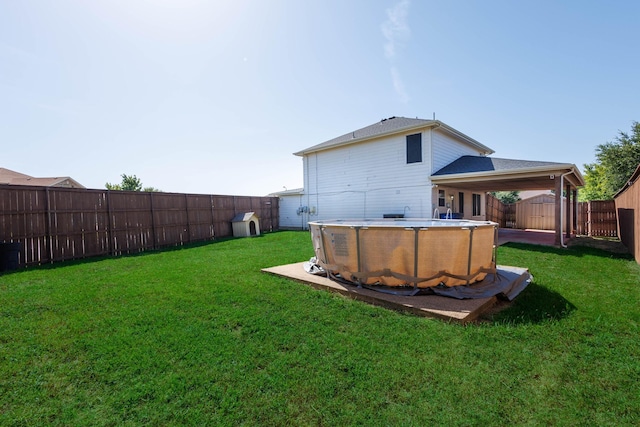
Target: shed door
x,y
540,216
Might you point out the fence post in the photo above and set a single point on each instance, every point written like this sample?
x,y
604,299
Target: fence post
x,y
153,220
186,209
49,237
110,235
589,231
575,210
213,217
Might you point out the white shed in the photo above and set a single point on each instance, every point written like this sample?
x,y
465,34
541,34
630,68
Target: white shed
x,y
246,224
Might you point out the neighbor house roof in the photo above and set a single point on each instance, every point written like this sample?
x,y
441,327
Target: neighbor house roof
x,y
292,192
490,173
391,126
8,176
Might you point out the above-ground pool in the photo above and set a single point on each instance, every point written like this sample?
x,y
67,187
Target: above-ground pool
x,y
421,253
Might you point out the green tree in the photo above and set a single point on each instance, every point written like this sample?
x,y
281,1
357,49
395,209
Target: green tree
x,y
507,197
129,183
615,163
596,183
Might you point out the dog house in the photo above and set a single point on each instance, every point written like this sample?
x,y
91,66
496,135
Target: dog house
x,y
246,224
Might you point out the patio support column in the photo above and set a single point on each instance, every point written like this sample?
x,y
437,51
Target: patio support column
x,y
575,211
558,212
568,212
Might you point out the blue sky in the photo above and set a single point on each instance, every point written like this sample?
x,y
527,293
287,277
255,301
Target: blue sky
x,y
214,96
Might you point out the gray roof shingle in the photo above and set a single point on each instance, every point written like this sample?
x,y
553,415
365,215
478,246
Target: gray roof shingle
x,y
382,127
469,164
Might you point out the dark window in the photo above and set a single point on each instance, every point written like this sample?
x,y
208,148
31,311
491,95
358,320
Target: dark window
x,y
477,207
440,197
461,202
414,148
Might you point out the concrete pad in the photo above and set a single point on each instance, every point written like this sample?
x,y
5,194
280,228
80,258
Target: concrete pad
x,y
441,307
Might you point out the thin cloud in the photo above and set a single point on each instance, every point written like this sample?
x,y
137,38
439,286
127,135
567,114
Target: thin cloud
x,y
398,85
396,32
395,29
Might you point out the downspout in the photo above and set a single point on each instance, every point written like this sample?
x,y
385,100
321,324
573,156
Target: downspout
x,y
561,205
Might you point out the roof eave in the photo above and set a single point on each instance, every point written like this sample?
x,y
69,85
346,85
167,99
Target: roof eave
x,y
483,148
521,173
292,192
431,124
315,148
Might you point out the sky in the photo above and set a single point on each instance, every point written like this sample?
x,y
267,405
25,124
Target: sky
x,y
214,97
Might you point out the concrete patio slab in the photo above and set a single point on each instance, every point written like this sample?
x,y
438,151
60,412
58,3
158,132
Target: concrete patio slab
x,y
534,237
446,308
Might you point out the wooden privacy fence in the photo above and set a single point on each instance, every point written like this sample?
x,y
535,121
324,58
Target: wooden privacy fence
x,y
56,224
597,218
628,208
502,213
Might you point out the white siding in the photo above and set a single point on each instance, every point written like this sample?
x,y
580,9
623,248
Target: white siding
x,y
446,149
372,178
289,216
368,180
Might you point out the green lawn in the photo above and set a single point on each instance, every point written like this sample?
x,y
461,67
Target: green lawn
x,y
200,336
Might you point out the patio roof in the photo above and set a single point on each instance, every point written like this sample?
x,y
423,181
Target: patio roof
x,y
480,173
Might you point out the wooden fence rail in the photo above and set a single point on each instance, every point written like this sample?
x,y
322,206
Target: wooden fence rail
x,y
502,213
595,218
56,224
628,208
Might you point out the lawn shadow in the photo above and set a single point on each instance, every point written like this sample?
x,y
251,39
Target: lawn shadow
x,y
536,304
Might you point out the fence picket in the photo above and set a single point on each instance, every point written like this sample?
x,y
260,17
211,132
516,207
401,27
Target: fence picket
x,y
597,218
56,224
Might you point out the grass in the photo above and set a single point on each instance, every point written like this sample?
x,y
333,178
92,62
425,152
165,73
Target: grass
x,y
200,336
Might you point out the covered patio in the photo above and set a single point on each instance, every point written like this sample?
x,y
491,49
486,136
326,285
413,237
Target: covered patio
x,y
484,174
